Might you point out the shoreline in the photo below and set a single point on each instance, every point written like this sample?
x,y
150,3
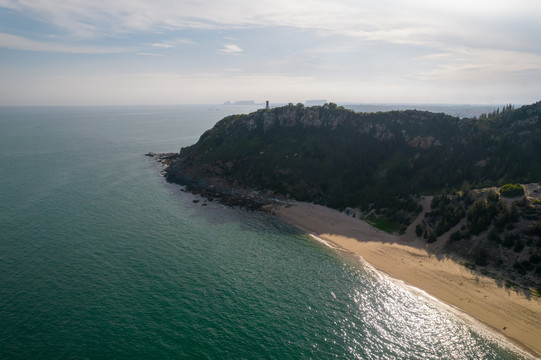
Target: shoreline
x,y
509,314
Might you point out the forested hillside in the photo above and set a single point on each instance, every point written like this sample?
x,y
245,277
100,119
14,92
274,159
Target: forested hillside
x,y
339,158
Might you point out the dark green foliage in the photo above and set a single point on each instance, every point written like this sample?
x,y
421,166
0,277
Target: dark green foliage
x,y
481,257
496,113
535,229
509,240
480,216
456,236
493,235
510,284
465,193
513,213
518,246
523,203
530,213
512,190
447,211
484,210
535,258
385,224
419,230
504,215
523,267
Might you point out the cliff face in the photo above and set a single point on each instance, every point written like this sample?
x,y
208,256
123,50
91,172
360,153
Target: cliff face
x,y
339,158
407,125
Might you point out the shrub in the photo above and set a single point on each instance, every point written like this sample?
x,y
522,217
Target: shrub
x,y
493,235
519,268
512,190
513,213
524,202
480,257
480,215
535,258
523,266
419,230
492,196
456,236
466,193
535,229
510,284
508,241
518,246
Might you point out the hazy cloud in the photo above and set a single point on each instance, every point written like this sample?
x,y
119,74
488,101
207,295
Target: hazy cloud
x,y
418,22
230,49
160,45
150,54
476,65
386,20
14,42
172,43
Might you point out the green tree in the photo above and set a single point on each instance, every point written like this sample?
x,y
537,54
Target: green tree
x,y
512,190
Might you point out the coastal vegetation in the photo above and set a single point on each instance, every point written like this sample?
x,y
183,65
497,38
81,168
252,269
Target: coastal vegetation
x,y
489,230
512,190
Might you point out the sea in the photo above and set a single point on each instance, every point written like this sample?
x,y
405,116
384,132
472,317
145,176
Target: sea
x,y
101,258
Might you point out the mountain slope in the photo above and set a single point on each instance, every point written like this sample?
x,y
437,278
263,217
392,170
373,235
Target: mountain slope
x,y
333,156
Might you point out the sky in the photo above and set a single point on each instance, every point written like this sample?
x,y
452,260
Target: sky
x,y
124,52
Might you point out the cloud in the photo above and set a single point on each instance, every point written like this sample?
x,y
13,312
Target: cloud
x,y
150,54
343,16
230,49
172,43
478,65
14,42
414,21
164,46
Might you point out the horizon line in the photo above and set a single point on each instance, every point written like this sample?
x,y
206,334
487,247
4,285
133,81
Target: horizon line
x,y
279,103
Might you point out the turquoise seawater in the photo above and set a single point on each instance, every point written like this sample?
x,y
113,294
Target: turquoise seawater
x,y
100,258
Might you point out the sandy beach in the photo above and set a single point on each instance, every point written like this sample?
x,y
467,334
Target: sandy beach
x,y
505,310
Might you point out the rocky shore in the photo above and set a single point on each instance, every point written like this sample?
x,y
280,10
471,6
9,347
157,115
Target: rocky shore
x,y
219,191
